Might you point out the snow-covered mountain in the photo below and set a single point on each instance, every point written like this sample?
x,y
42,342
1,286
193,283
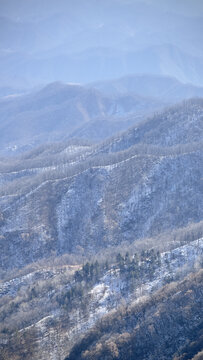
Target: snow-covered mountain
x,y
90,232
157,164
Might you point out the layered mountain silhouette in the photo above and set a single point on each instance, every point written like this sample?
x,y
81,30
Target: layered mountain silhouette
x,y
60,111
89,42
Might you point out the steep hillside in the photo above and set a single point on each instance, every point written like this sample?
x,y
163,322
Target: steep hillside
x,y
119,196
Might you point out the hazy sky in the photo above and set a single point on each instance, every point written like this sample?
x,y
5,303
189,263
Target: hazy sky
x,y
88,40
24,8
187,7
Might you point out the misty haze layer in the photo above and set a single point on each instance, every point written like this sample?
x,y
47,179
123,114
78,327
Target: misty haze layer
x,y
85,41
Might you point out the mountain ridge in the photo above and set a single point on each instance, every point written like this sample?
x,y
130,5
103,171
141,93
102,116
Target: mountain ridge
x,y
155,194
